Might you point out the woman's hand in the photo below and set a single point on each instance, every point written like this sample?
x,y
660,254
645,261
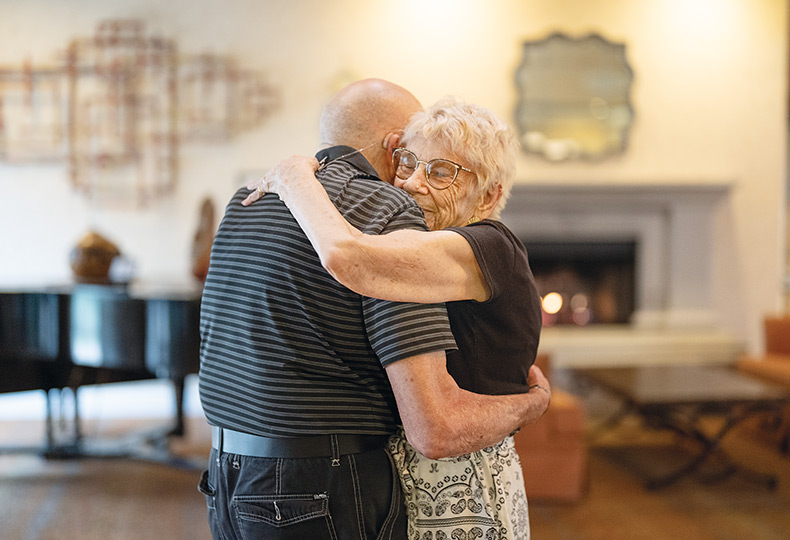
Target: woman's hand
x,y
283,175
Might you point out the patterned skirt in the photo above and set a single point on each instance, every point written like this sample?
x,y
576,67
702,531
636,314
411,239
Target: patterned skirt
x,y
477,495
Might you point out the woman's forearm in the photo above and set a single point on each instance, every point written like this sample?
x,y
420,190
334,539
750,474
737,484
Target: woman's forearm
x,y
294,181
327,230
405,265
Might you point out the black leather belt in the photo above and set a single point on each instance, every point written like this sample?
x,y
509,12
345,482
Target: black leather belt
x,y
330,446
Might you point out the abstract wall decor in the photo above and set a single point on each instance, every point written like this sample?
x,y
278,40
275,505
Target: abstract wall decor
x,y
32,114
119,104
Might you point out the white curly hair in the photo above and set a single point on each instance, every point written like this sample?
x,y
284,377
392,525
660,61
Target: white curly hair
x,y
487,144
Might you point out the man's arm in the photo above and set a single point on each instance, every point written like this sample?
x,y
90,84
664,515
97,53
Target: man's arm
x,y
442,420
401,266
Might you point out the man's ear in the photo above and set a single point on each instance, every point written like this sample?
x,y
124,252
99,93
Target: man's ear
x,y
391,141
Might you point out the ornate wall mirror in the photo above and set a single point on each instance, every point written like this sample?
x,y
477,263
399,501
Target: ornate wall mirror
x,y
573,98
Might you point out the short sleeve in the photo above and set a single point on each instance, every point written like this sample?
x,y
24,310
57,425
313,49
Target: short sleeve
x,y
499,253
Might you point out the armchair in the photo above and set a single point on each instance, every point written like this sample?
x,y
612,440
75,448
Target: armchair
x,y
553,451
774,365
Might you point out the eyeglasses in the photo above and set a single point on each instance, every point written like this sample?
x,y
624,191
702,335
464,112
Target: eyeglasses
x,y
440,173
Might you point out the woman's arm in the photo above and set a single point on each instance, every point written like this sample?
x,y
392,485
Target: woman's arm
x,y
402,266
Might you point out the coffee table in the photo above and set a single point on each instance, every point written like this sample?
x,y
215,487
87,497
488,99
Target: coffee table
x,y
679,397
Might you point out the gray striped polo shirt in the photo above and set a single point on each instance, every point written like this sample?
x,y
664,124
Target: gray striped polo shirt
x,y
285,349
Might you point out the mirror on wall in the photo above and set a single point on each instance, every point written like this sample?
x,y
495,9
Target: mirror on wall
x,y
573,98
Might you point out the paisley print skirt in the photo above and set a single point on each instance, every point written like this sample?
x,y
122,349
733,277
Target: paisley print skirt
x,y
477,495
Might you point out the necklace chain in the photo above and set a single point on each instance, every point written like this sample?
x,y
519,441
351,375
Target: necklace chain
x,y
325,160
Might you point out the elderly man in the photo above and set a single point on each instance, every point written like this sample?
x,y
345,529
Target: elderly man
x,y
294,366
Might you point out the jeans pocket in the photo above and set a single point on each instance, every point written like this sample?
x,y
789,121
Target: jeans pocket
x,y
284,516
205,488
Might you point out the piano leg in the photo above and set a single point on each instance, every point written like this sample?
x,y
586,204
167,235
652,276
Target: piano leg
x,y
50,428
63,435
178,390
77,418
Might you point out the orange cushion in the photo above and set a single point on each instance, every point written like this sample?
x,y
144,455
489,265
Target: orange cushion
x,y
555,473
553,451
777,334
771,367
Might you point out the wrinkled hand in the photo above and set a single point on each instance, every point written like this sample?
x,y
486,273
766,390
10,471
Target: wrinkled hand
x,y
288,170
539,385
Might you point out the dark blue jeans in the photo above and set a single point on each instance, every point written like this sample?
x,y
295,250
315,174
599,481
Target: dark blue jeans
x,y
251,498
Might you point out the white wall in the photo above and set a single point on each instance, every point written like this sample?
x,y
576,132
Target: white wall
x,y
710,96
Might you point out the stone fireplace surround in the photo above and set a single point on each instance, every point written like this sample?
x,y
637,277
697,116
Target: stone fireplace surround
x,y
675,319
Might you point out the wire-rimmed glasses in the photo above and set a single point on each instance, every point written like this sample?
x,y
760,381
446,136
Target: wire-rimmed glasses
x,y
440,173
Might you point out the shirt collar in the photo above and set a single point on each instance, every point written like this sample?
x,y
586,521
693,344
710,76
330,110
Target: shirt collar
x,y
349,154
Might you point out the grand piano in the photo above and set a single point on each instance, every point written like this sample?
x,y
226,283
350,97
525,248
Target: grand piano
x,y
61,339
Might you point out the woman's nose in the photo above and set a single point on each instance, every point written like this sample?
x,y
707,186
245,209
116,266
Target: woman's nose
x,y
416,183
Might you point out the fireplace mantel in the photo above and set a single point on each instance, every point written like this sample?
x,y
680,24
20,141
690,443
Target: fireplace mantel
x,y
644,194
674,226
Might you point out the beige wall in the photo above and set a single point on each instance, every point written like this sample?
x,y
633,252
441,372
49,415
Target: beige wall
x,y
710,96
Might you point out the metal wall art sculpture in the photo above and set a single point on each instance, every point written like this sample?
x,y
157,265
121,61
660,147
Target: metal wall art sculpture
x,y
119,105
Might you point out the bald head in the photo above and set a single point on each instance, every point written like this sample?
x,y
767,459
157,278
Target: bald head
x,y
365,113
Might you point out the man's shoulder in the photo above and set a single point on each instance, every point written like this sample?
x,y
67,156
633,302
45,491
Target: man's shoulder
x,y
345,175
375,187
367,202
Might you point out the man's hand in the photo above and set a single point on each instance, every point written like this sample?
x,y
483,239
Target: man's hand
x,y
539,386
285,173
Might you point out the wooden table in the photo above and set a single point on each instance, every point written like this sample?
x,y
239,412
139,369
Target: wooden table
x,y
677,397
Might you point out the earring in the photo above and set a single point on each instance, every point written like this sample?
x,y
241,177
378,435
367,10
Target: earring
x,y
473,219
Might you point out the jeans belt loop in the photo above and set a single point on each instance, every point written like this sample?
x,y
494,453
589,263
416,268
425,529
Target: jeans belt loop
x,y
335,450
219,442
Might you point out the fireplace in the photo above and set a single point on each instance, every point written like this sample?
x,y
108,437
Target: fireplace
x,y
583,283
645,250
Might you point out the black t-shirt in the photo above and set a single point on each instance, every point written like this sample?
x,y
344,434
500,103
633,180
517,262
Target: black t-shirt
x,y
497,339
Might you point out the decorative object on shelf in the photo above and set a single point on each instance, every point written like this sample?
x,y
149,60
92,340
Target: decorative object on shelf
x,y
119,106
92,257
574,97
204,239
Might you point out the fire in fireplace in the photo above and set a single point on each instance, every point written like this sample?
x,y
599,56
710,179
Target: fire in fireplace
x,y
583,283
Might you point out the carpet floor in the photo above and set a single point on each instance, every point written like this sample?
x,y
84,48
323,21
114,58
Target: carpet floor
x,y
148,498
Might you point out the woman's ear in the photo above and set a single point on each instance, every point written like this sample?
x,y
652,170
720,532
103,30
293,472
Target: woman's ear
x,y
489,201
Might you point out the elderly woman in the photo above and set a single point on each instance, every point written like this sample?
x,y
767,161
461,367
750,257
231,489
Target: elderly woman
x,y
458,162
